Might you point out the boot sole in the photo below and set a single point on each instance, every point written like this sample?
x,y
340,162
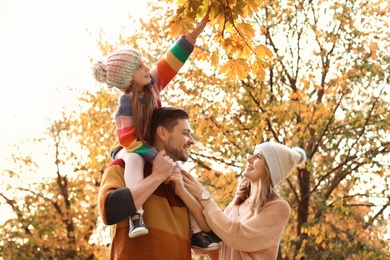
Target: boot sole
x,y
136,233
212,248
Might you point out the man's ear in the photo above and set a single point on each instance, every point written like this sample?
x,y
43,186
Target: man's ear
x,y
162,133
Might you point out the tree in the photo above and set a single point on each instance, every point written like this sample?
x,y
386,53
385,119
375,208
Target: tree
x,y
234,34
54,218
326,90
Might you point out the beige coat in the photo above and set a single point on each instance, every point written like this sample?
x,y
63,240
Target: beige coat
x,y
246,236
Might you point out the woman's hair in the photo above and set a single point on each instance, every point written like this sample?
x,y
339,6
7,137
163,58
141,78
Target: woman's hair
x,y
142,112
242,192
257,192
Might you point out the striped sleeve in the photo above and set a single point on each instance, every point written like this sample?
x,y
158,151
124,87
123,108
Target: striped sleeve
x,y
123,116
113,195
173,60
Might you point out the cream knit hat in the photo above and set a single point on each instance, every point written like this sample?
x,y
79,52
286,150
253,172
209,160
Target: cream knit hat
x,y
118,70
280,159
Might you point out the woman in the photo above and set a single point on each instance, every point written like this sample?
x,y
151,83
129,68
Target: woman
x,y
252,224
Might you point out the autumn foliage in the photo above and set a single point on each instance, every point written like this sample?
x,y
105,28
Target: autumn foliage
x,y
235,34
323,89
312,74
54,204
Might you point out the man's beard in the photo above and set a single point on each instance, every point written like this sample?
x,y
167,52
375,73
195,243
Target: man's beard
x,y
175,154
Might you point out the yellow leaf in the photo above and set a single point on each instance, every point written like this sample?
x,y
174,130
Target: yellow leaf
x,y
262,51
243,51
179,26
261,74
253,5
373,46
228,44
258,69
246,29
215,59
319,239
181,2
203,8
247,51
235,68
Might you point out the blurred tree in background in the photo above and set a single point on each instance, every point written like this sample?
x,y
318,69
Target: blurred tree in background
x,y
55,207
312,74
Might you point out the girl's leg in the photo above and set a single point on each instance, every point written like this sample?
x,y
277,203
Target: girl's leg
x,y
133,174
194,226
199,239
134,169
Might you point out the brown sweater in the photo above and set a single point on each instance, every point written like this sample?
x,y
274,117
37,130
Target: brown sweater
x,y
246,236
165,216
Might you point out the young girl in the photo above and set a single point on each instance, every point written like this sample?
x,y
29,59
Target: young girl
x,y
141,87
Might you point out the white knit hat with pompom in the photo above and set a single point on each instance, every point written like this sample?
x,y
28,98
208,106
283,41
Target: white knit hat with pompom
x,y
118,70
280,159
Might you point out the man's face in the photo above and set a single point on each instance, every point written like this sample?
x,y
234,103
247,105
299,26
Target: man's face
x,y
179,141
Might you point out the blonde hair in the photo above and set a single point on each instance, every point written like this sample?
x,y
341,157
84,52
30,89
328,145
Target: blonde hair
x,y
258,192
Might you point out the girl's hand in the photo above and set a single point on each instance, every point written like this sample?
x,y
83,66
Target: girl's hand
x,y
195,33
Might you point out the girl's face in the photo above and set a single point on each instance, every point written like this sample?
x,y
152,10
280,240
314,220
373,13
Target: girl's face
x,y
256,167
141,75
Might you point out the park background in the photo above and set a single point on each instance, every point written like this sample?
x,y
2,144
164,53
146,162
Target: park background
x,y
312,74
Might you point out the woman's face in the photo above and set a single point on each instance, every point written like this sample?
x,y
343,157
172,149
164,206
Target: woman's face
x,y
141,75
256,167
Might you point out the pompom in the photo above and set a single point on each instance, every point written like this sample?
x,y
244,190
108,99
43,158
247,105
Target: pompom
x,y
301,153
99,72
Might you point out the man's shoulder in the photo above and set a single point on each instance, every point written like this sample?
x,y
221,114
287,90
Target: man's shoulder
x,y
117,162
113,176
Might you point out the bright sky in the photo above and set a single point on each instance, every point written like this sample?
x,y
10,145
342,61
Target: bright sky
x,y
44,45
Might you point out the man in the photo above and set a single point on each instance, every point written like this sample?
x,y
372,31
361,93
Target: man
x,y
165,213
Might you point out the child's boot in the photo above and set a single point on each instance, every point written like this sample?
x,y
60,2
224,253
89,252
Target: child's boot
x,y
137,226
203,241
